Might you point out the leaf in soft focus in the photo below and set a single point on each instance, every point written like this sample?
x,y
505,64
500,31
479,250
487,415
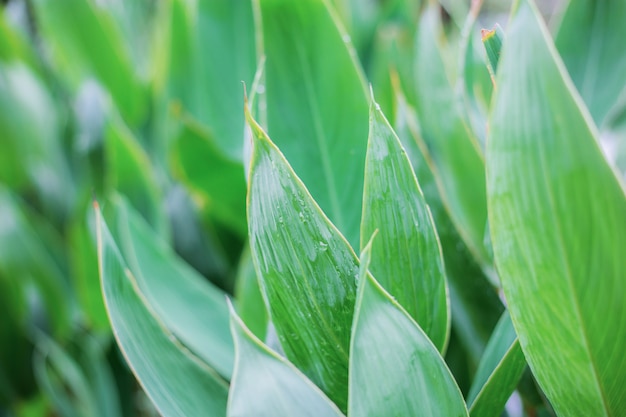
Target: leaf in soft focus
x,y
187,304
590,40
31,144
453,148
217,182
407,256
557,212
131,173
498,373
306,268
394,368
248,297
24,254
265,384
13,45
474,303
317,107
210,51
84,40
178,383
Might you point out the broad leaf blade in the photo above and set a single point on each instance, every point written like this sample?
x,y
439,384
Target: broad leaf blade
x,y
407,255
394,367
265,384
557,212
187,304
590,40
306,268
452,146
316,105
498,373
177,383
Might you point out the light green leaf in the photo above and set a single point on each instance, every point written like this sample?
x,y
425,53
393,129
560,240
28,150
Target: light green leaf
x,y
210,50
178,383
498,373
316,105
453,148
557,214
590,39
188,305
407,255
216,181
306,269
84,40
395,370
265,384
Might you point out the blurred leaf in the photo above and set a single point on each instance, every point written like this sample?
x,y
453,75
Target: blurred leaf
x,y
216,181
474,303
407,256
265,384
316,105
306,269
176,381
84,41
210,51
590,39
13,45
248,297
454,150
498,373
131,173
414,380
557,212
187,304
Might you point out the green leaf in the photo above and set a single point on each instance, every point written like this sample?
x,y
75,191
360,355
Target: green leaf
x,y
265,384
407,256
395,370
306,268
85,41
498,373
492,39
248,297
188,305
557,214
590,39
316,105
453,148
216,181
210,50
177,382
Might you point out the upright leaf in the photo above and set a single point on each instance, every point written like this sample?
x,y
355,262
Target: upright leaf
x,y
590,39
266,385
306,268
187,304
178,384
395,370
454,149
407,256
558,219
317,105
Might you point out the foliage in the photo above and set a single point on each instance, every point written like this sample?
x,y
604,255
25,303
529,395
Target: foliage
x,y
446,244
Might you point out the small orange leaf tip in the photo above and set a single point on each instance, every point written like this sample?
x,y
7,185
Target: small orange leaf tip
x,y
486,34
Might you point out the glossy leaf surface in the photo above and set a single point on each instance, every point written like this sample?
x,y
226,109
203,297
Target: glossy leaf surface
x,y
306,268
406,254
596,61
395,370
266,385
452,146
316,105
557,214
187,304
178,384
498,373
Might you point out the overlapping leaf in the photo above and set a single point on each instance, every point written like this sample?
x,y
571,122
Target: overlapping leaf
x,y
306,268
407,256
557,212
